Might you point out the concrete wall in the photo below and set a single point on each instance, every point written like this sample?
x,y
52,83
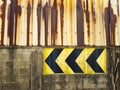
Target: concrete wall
x,y
115,67
76,82
21,68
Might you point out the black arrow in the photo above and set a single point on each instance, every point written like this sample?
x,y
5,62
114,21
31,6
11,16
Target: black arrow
x,y
51,61
92,60
71,60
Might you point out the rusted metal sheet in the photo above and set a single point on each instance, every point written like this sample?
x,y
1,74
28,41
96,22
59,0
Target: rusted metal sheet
x,y
60,22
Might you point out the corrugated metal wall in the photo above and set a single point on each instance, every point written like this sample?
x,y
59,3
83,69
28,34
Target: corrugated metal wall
x,y
60,22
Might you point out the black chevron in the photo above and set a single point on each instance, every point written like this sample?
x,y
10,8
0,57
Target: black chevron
x,y
71,60
51,61
92,60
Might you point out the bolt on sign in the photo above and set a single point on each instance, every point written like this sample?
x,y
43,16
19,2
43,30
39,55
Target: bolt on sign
x,y
74,60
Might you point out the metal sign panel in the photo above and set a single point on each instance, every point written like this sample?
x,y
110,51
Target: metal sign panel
x,y
74,60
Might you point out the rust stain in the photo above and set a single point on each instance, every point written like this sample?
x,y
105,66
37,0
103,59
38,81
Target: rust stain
x,y
11,22
13,11
118,7
39,8
18,10
3,21
88,20
107,26
45,15
80,23
110,21
61,19
54,13
28,23
70,7
93,15
17,13
113,20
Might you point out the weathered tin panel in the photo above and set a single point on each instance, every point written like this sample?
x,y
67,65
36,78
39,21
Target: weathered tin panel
x,y
59,22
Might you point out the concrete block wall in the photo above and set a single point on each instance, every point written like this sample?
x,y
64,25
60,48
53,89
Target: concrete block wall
x,y
21,68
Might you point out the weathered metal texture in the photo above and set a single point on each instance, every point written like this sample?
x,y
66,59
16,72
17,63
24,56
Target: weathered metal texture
x,y
59,22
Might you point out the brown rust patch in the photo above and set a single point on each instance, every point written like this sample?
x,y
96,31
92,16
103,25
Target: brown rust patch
x,y
80,23
54,15
28,23
62,19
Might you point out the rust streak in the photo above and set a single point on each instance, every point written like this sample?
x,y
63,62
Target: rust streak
x,y
93,14
107,21
54,13
3,21
80,23
11,22
12,26
45,15
113,20
88,20
61,19
28,23
39,21
17,13
118,7
110,20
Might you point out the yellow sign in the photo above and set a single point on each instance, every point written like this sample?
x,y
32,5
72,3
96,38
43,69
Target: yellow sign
x,y
74,60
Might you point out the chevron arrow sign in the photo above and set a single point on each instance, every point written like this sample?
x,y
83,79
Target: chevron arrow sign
x,y
74,60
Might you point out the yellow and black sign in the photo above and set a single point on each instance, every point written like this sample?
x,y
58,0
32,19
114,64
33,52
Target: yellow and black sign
x,y
74,60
